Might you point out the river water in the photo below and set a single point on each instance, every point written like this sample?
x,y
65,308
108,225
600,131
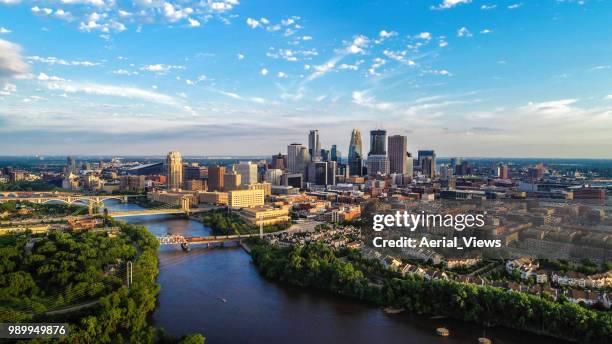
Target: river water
x,y
194,286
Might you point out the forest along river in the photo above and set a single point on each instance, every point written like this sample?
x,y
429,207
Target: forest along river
x,y
219,293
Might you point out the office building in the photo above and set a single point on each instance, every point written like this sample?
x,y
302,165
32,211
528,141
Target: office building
x,y
71,166
194,185
231,180
303,159
265,186
215,178
335,154
428,167
265,215
317,172
378,164
295,180
502,171
279,161
245,198
355,157
273,176
424,154
193,172
132,183
314,145
248,171
332,169
398,157
378,142
293,150
174,170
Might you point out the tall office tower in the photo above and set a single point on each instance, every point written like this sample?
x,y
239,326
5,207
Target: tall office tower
x,y
174,169
335,154
409,165
454,162
424,154
292,179
215,178
378,164
332,169
378,142
71,165
398,159
302,160
314,145
325,154
273,176
292,155
279,161
355,157
231,181
317,172
428,167
502,171
192,172
248,171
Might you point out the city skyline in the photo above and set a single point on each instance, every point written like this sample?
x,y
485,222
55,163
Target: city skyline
x,y
464,78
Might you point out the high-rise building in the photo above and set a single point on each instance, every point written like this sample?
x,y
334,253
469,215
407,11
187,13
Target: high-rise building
x,y
279,161
502,171
231,180
248,171
325,154
423,154
378,164
335,154
428,167
174,170
409,165
314,145
355,157
398,158
303,159
332,168
132,183
273,176
293,150
378,142
292,179
71,166
215,178
317,172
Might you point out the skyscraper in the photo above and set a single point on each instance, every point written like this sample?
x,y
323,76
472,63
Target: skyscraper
x,y
248,171
279,161
378,164
292,153
174,169
335,154
398,158
231,181
302,160
71,165
423,154
355,157
428,166
314,145
215,178
317,172
378,142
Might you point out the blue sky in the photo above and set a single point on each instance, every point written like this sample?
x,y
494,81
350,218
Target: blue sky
x,y
466,78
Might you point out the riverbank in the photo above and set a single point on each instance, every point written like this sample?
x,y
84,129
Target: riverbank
x,y
317,266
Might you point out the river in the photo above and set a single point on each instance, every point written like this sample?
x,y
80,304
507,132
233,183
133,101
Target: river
x,y
194,286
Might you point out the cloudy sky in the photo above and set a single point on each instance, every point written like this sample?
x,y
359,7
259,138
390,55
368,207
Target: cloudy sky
x,y
215,77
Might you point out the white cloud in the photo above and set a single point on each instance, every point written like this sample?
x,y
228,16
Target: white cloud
x,y
608,97
253,23
486,31
306,38
124,72
11,61
361,98
281,75
399,56
446,4
515,6
240,56
160,68
8,89
193,22
174,14
376,64
54,60
4,30
264,71
425,35
112,91
45,77
486,7
233,95
554,108
357,45
464,32
10,2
